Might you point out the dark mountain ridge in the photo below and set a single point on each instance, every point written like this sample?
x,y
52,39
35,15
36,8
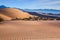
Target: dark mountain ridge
x,y
40,12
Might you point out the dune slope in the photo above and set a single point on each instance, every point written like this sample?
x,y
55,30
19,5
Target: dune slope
x,y
5,17
14,13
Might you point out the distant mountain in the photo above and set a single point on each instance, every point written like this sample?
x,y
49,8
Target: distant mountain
x,y
44,15
13,13
43,11
37,10
2,6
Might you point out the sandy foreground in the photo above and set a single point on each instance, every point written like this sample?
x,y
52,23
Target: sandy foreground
x,y
30,30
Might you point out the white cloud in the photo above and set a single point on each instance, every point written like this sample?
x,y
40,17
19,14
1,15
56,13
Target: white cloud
x,y
53,2
52,7
46,4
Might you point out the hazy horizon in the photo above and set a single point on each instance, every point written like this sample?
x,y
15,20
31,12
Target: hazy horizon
x,y
32,4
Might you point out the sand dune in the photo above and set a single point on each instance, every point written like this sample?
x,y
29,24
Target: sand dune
x,y
30,30
14,13
26,30
5,17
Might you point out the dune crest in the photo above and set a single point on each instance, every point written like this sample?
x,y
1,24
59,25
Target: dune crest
x,y
14,13
5,17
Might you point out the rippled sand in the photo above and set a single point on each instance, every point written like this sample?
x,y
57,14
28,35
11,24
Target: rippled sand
x,y
30,30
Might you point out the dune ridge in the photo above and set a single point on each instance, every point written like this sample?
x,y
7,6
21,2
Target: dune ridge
x,y
5,17
14,13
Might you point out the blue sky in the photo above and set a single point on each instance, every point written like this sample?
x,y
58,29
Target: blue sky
x,y
32,4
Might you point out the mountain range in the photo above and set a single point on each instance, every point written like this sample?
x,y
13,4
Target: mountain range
x,y
37,10
43,11
8,13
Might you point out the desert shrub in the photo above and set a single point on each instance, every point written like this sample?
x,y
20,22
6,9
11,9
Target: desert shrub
x,y
58,19
30,17
26,19
13,19
51,19
35,18
1,19
17,19
40,18
45,19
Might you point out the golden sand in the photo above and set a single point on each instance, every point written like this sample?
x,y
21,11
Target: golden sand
x,y
14,13
30,30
